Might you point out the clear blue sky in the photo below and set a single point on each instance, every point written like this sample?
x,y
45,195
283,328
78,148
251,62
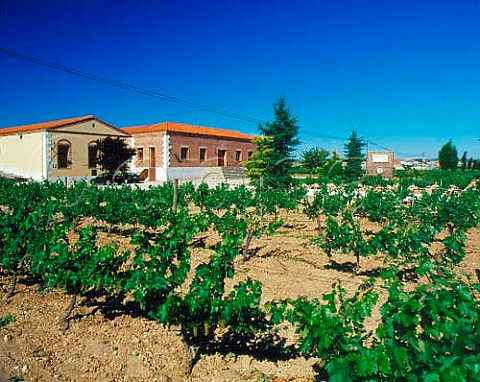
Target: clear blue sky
x,y
404,73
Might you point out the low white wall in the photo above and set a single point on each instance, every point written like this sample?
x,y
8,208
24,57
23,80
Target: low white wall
x,y
196,175
210,175
22,173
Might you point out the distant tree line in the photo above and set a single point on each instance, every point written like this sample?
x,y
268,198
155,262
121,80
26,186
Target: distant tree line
x,y
448,159
272,164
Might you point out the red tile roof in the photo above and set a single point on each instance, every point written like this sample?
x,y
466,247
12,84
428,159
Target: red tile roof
x,y
187,129
44,125
50,125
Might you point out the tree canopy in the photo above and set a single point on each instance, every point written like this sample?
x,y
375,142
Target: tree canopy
x,y
314,159
448,156
283,129
114,155
274,160
354,157
261,163
333,167
322,163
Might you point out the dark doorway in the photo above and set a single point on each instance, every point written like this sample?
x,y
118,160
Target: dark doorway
x,y
152,165
222,158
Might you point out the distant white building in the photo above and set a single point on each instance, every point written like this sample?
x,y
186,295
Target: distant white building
x,y
420,164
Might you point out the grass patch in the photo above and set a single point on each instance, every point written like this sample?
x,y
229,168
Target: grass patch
x,y
5,320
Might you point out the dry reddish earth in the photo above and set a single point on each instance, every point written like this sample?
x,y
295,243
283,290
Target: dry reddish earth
x,y
134,349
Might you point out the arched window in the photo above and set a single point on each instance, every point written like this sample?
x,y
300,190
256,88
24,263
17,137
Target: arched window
x,y
92,155
64,154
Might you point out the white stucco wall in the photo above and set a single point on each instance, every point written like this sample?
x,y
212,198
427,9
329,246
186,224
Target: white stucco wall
x,y
23,155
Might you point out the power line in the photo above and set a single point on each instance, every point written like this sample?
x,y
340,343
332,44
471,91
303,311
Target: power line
x,y
389,149
125,86
151,93
323,135
344,139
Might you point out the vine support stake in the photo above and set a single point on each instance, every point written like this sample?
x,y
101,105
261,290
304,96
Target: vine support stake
x,y
175,195
248,241
13,286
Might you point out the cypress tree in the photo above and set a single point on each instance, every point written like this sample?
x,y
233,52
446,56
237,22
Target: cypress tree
x,y
284,133
463,161
448,156
354,157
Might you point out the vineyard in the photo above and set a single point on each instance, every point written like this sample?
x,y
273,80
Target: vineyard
x,y
360,282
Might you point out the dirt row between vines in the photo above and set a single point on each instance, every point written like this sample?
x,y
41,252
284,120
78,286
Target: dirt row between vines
x,y
134,349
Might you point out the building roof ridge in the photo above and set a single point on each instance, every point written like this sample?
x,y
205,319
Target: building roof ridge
x,y
51,125
187,128
44,125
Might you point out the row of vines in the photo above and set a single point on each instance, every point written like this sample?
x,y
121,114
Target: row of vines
x,y
429,325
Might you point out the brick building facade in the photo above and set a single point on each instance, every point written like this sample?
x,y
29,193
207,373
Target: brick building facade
x,y
174,150
380,163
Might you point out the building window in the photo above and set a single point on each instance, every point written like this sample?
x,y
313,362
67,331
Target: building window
x,y
92,155
249,155
140,157
64,154
184,153
238,155
203,154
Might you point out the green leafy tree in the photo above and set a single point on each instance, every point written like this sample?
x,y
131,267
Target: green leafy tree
x,y
262,162
114,155
333,167
284,131
354,157
448,156
314,159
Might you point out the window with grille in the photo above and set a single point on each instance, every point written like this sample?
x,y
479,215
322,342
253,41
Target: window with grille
x,y
92,155
184,153
63,154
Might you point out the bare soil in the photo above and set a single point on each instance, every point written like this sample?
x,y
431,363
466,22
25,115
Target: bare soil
x,y
123,347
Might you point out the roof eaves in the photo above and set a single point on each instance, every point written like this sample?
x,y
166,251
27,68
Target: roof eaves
x,y
53,125
208,131
184,128
48,126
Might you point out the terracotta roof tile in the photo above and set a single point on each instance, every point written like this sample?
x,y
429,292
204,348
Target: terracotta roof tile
x,y
44,125
187,129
